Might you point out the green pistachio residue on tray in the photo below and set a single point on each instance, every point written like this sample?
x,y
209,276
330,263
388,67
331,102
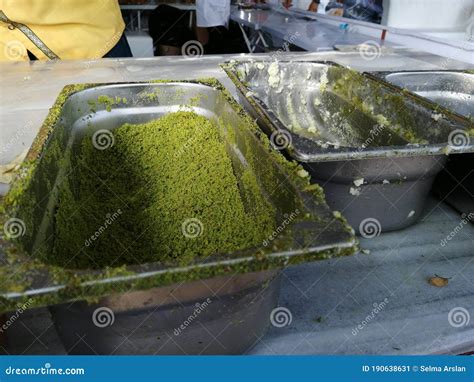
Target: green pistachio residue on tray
x,y
164,191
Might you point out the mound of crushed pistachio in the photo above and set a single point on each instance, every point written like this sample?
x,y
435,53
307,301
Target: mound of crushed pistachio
x,y
163,191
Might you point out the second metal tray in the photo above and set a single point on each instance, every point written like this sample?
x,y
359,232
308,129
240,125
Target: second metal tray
x,y
374,148
453,90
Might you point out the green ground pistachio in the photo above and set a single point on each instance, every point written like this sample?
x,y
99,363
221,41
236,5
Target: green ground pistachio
x,y
164,191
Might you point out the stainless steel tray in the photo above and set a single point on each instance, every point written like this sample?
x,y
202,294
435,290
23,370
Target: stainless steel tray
x,y
223,315
373,148
134,294
453,90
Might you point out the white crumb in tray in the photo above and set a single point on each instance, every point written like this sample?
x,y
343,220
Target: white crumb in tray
x,y
411,214
317,102
358,182
324,80
274,75
302,173
436,116
354,191
259,66
386,181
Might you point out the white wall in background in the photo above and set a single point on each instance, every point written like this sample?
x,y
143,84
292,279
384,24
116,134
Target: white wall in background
x,y
432,15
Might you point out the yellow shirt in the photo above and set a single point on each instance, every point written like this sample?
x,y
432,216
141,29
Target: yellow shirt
x,y
65,29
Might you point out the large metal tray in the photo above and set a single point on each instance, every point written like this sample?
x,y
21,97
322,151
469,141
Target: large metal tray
x,y
241,284
370,171
453,90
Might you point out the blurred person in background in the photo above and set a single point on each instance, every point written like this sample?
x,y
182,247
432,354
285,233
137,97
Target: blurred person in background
x,y
365,10
66,29
170,30
319,6
212,21
172,35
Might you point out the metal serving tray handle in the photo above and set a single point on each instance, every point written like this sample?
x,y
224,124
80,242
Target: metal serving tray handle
x,y
374,148
242,286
